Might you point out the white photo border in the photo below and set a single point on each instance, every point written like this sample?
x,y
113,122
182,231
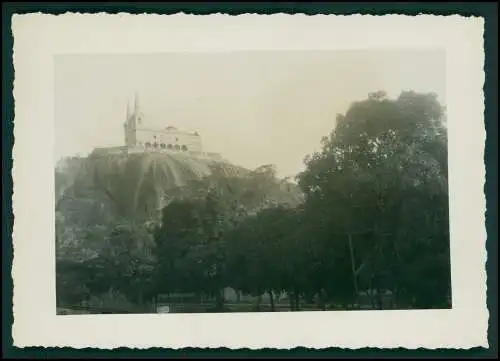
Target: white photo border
x,y
39,37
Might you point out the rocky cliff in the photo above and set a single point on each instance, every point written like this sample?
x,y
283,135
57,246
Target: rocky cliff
x,y
95,194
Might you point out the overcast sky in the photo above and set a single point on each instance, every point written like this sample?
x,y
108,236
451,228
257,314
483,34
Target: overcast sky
x,y
254,108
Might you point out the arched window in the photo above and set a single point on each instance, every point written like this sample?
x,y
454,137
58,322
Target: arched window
x,y
169,146
177,147
148,145
162,145
155,145
184,148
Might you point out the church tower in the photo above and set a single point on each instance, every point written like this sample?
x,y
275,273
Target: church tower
x,y
137,113
132,121
139,137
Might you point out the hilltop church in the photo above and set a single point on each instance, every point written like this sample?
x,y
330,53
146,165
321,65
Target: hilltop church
x,y
139,137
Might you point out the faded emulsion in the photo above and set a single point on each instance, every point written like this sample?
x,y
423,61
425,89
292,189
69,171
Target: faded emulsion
x,y
163,223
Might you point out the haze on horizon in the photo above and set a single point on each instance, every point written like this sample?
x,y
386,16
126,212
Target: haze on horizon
x,y
254,108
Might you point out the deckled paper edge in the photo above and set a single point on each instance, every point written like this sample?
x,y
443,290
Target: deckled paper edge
x,y
35,326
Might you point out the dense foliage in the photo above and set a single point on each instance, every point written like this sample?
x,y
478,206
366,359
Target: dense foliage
x,y
372,220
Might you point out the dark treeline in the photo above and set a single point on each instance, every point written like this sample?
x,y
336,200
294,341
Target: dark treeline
x,y
373,221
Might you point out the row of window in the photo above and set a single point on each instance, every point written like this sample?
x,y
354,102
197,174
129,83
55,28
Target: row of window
x,y
164,146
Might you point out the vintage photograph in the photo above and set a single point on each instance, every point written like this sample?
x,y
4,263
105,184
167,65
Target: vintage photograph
x,y
251,181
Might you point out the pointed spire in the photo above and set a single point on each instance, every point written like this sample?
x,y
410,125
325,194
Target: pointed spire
x,y
137,111
136,103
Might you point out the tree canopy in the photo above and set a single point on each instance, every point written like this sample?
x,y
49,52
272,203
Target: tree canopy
x,y
371,218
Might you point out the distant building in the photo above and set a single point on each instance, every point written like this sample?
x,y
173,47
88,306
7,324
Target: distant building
x,y
139,136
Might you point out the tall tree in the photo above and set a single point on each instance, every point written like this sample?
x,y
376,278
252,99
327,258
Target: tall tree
x,y
385,159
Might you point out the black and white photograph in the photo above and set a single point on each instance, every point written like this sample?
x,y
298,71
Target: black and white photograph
x,y
249,181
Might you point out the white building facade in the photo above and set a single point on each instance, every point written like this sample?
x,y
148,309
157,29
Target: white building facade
x,y
170,139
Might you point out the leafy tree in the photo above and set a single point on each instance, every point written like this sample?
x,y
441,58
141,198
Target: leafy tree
x,y
254,251
189,248
199,227
372,216
384,159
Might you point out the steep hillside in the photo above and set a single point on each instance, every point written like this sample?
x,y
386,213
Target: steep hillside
x,y
96,194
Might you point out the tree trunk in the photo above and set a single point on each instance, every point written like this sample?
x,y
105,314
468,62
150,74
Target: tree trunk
x,y
321,301
290,299
297,305
219,300
271,299
393,297
198,297
324,300
379,298
371,295
378,254
345,305
258,302
140,301
353,268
